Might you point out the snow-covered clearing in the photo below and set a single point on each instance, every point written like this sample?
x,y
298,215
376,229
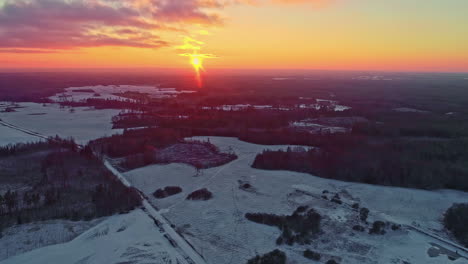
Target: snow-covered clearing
x,y
219,231
83,124
126,238
22,238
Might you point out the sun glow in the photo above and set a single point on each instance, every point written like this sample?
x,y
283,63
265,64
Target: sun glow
x,y
197,63
196,59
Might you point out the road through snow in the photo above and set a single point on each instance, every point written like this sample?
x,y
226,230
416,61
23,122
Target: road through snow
x,y
175,238
188,253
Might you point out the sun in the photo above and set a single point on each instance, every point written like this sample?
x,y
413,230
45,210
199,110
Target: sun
x,y
196,60
197,64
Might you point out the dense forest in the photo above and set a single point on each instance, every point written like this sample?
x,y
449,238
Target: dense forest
x,y
426,164
56,179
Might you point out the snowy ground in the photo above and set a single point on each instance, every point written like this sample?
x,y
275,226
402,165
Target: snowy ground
x,y
11,136
127,238
22,238
409,110
217,227
83,124
220,232
318,128
112,92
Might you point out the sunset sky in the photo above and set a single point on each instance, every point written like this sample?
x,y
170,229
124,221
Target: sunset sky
x,y
397,35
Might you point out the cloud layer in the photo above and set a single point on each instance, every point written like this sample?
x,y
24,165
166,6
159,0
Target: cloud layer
x,y
26,25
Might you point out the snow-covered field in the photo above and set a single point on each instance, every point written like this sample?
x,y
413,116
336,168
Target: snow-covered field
x,y
22,238
220,232
217,228
112,92
83,124
126,238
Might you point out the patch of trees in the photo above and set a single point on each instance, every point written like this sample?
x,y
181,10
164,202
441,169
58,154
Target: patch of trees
x,y
202,194
167,191
300,227
425,164
199,154
71,184
274,257
455,220
141,147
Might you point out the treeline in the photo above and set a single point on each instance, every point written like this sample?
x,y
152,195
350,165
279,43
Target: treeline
x,y
99,103
426,164
207,119
395,124
23,148
136,141
71,184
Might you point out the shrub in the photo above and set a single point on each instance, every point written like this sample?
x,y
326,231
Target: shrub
x,y
202,194
336,199
377,228
274,257
312,255
246,186
363,214
331,261
355,206
358,228
167,191
455,220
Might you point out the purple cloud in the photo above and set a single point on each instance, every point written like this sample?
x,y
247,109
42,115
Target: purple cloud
x,y
59,24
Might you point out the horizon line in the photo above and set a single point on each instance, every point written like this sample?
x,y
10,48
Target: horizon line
x,y
214,70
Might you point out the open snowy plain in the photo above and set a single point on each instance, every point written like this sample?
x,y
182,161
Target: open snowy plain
x,y
83,123
221,233
127,238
